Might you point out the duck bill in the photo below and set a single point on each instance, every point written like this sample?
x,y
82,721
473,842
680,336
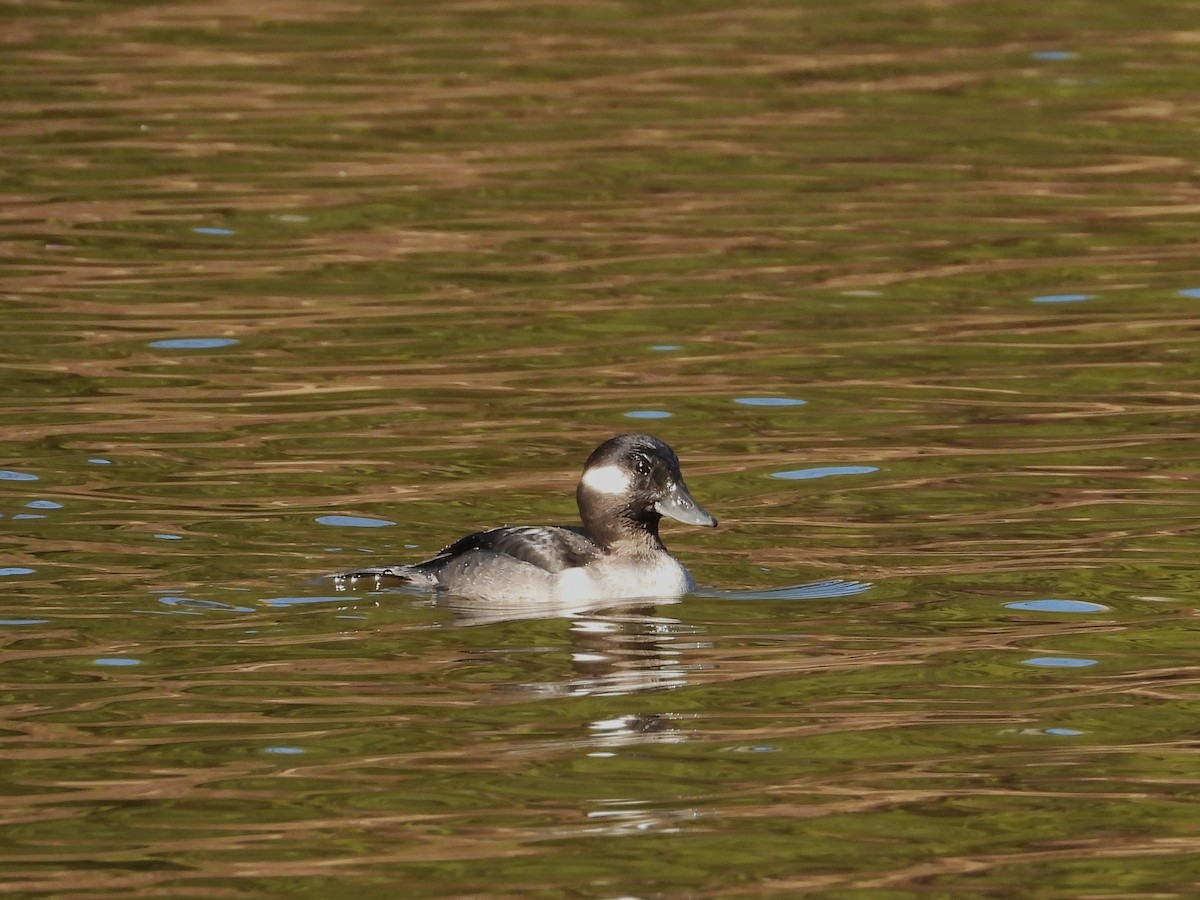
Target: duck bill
x,y
679,505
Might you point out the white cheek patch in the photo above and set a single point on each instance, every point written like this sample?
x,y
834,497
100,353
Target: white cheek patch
x,y
607,479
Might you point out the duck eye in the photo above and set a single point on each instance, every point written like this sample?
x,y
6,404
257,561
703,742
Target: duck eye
x,y
641,464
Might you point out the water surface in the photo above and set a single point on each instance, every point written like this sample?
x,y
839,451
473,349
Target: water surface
x,y
293,289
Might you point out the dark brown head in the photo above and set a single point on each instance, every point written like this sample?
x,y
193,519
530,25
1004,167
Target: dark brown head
x,y
628,484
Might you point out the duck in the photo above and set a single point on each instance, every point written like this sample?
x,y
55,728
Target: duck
x,y
629,484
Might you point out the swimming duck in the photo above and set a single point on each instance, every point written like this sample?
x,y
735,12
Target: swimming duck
x,y
629,483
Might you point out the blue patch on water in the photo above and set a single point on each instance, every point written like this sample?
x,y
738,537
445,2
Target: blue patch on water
x,y
23,621
285,751
116,661
16,570
10,475
812,590
353,522
193,343
300,601
769,401
191,603
43,504
1061,606
169,537
1055,55
1060,662
824,472
648,414
28,516
1063,298
98,461
1190,292
219,232
1063,732
666,348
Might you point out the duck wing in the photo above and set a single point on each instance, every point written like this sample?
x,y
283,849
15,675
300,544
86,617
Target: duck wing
x,y
548,547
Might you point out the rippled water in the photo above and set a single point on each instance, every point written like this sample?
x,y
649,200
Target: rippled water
x,y
912,288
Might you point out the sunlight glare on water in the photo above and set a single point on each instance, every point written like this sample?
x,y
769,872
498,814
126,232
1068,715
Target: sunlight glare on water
x,y
297,288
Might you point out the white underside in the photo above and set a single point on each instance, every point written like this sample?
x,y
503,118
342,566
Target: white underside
x,y
606,580
497,578
509,581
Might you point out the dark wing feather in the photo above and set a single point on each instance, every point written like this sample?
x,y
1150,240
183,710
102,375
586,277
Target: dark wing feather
x,y
548,547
